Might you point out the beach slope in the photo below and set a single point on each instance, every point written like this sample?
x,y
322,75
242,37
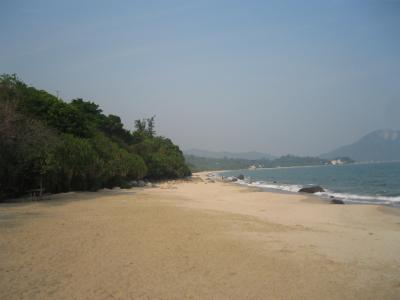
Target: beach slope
x,y
197,239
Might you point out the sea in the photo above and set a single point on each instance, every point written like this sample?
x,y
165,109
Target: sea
x,y
359,183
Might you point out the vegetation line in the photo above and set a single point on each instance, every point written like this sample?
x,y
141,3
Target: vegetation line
x,y
46,143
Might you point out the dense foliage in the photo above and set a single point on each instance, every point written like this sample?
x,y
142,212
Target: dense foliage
x,y
58,146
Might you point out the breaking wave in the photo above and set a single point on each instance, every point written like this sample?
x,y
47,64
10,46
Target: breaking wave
x,y
345,197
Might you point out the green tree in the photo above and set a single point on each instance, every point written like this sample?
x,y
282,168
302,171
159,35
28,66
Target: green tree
x,y
61,146
25,147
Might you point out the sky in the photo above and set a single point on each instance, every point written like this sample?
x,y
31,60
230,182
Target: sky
x,y
299,77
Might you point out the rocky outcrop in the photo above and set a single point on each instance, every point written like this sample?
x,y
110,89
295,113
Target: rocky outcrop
x,y
311,189
336,201
139,183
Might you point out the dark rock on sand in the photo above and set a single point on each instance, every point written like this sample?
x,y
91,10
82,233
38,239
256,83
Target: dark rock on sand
x,y
240,177
311,189
133,183
336,201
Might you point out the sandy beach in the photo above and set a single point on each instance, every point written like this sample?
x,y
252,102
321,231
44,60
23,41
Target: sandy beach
x,y
197,240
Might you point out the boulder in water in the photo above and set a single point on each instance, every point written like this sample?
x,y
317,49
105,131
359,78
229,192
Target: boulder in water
x,y
336,201
311,189
240,177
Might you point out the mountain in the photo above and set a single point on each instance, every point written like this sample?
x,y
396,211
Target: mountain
x,y
221,154
380,145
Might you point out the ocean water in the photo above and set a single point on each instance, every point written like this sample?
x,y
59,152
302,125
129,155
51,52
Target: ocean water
x,y
372,183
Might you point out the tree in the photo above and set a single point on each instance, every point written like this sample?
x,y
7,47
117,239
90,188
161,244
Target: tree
x,y
25,148
45,141
140,126
163,158
151,126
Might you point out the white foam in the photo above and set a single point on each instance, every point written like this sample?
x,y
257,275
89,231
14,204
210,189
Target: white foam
x,y
347,198
294,188
354,198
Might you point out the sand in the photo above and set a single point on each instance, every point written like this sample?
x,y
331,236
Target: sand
x,y
197,240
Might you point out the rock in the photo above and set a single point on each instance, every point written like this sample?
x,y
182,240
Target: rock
x,y
311,189
141,183
336,201
240,177
234,179
149,184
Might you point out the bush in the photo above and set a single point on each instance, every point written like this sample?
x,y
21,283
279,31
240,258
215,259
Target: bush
x,y
73,146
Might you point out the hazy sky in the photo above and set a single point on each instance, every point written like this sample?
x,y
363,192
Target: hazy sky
x,y
298,77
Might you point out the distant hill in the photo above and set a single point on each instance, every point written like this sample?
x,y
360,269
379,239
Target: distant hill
x,y
197,163
225,154
380,145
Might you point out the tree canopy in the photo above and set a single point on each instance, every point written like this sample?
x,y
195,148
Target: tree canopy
x,y
46,142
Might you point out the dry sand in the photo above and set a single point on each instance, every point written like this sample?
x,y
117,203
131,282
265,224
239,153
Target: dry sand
x,y
197,240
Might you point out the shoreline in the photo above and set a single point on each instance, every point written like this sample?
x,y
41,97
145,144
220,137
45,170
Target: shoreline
x,y
349,198
197,239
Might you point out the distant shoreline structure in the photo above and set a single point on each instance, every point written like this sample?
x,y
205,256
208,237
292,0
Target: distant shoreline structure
x,y
198,164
